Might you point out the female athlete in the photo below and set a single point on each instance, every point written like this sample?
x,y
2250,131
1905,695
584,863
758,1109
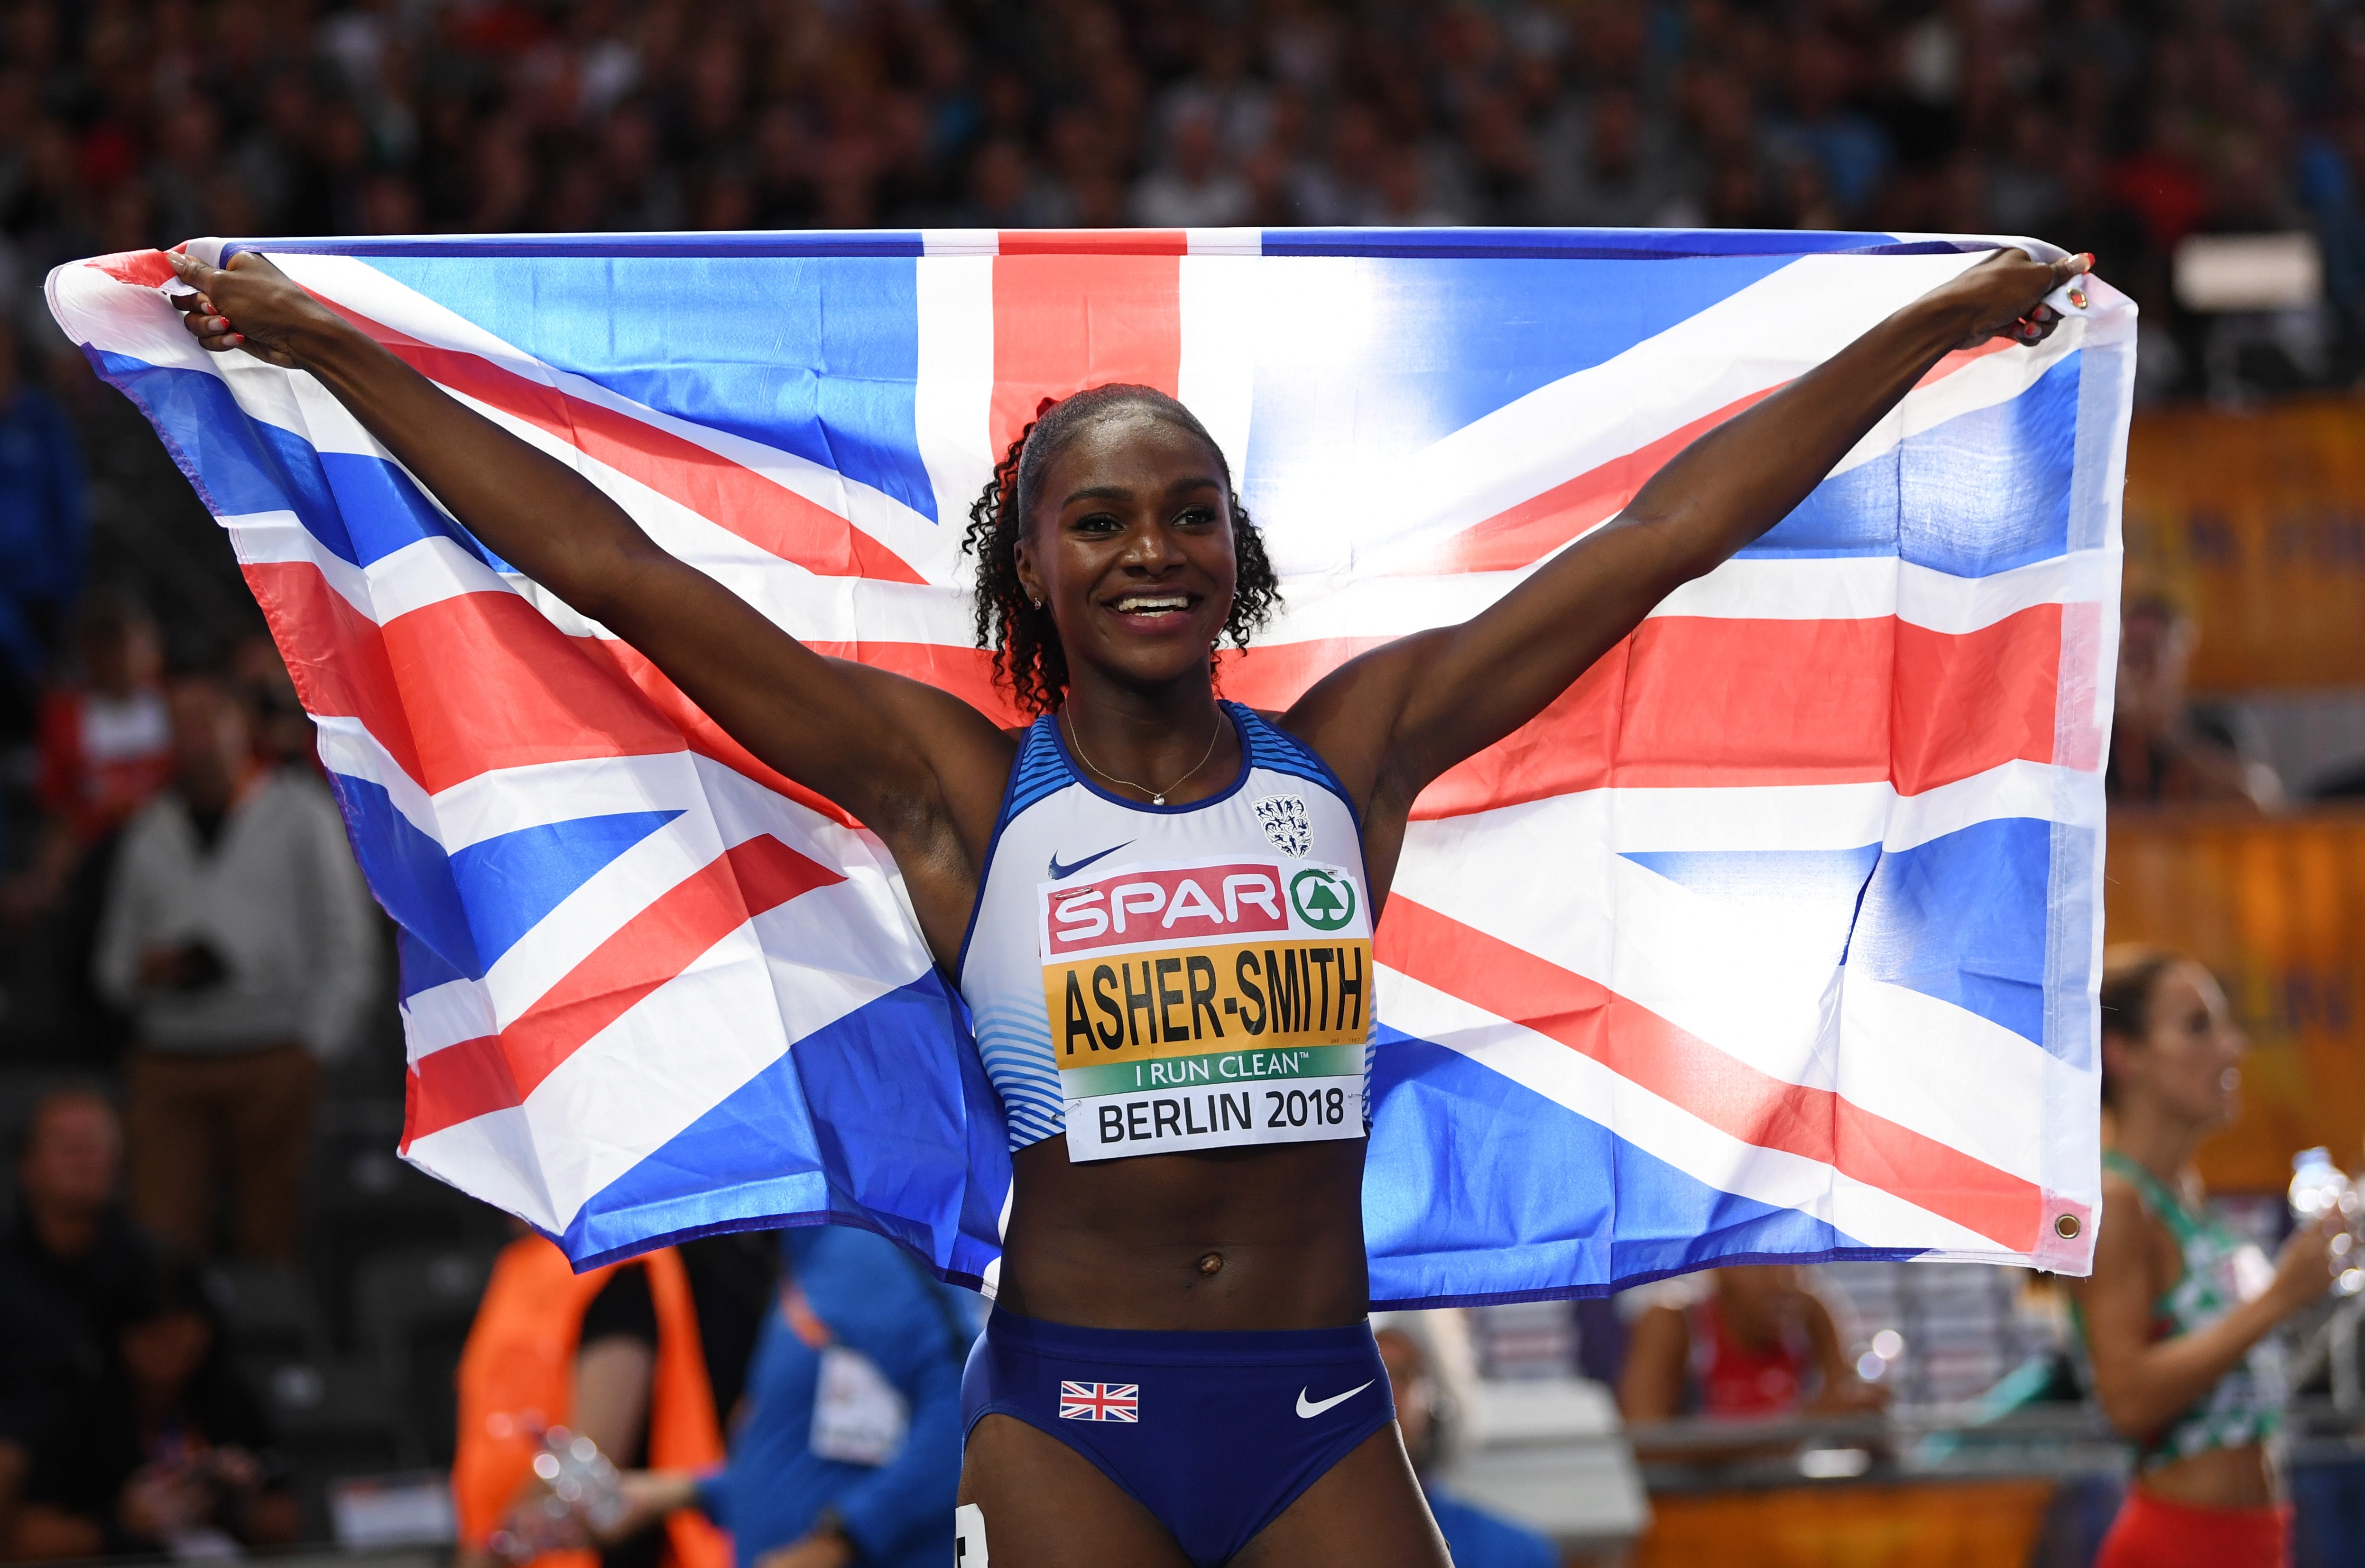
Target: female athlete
x,y
2177,1340
1157,904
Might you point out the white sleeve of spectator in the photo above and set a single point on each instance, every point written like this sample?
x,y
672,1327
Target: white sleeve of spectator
x,y
344,934
123,923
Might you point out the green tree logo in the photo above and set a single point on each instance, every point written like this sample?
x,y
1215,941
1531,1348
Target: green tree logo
x,y
1324,902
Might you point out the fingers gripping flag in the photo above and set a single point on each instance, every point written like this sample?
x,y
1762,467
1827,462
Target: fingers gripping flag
x,y
1774,936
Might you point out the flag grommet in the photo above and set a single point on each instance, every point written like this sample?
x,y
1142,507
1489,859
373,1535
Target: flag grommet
x,y
2065,1226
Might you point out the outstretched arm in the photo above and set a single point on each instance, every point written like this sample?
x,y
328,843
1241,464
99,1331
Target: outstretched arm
x,y
1400,716
921,768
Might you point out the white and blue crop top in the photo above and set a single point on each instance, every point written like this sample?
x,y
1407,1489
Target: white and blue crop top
x,y
1151,979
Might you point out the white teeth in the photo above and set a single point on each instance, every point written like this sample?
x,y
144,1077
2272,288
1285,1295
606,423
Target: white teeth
x,y
1135,602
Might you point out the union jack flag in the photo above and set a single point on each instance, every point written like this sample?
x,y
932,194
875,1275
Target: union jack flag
x,y
1775,937
1099,1402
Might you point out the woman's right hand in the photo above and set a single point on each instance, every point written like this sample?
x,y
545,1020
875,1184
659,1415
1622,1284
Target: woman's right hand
x,y
2303,1267
250,305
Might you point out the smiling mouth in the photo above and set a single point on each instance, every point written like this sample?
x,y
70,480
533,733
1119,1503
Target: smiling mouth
x,y
1152,606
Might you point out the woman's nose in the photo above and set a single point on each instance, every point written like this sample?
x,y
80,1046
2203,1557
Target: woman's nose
x,y
1150,546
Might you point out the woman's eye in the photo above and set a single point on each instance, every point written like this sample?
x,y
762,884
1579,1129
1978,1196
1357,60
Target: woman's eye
x,y
1196,515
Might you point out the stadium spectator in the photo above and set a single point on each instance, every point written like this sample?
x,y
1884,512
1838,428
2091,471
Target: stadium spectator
x,y
730,1282
1474,1537
238,931
1193,188
849,1447
43,526
648,1359
1743,1341
2164,746
171,1453
73,1267
105,747
283,731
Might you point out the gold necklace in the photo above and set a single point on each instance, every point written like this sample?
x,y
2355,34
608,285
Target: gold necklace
x,y
1157,797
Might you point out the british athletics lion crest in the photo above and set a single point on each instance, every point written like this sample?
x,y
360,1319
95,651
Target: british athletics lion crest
x,y
1283,818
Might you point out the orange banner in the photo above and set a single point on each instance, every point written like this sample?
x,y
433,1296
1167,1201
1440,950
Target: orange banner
x,y
2254,524
2277,909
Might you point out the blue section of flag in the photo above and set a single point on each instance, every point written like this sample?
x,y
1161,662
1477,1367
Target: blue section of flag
x,y
1979,494
870,1121
469,908
1607,1215
361,508
421,967
509,882
412,878
816,357
1964,918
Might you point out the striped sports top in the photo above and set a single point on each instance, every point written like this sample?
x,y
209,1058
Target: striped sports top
x,y
1151,979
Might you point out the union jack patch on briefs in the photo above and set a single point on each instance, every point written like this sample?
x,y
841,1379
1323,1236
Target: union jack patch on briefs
x,y
1099,1402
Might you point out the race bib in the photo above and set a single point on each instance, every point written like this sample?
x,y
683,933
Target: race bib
x,y
859,1416
1208,1005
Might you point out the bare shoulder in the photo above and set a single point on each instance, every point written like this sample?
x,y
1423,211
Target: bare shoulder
x,y
2129,1234
1349,716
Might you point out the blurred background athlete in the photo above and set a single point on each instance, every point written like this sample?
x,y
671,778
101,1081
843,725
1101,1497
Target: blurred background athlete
x,y
2177,1312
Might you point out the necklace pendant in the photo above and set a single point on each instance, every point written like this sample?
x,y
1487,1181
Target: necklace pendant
x,y
1157,800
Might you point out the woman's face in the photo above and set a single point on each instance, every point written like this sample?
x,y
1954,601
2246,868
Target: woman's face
x,y
2189,1058
1129,546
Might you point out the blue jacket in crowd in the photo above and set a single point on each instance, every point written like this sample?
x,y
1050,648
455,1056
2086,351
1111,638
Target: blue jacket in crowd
x,y
42,523
878,1302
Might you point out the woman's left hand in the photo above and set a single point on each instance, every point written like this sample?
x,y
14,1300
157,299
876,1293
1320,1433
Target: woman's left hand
x,y
2004,296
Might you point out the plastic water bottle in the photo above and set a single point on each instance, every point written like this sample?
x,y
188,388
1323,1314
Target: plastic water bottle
x,y
2320,1190
584,1495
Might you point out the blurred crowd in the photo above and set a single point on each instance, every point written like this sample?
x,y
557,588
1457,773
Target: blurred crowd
x,y
2098,124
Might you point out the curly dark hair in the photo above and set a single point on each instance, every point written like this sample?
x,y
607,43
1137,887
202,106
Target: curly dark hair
x,y
1027,658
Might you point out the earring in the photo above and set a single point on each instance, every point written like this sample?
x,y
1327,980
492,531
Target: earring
x,y
1038,604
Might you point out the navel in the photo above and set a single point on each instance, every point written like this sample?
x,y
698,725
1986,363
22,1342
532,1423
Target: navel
x,y
1211,1265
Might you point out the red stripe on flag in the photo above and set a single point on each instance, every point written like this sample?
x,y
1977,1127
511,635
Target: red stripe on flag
x,y
770,516
142,269
496,1071
1094,242
1702,701
1063,322
455,688
334,653
497,686
1730,1095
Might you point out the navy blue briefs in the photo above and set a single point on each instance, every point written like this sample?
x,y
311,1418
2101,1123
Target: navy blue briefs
x,y
1214,1433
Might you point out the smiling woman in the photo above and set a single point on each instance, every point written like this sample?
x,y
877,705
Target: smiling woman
x,y
1159,905
1013,621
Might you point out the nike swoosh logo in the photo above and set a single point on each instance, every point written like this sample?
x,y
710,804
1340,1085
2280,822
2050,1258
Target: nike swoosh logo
x,y
1062,873
1306,1412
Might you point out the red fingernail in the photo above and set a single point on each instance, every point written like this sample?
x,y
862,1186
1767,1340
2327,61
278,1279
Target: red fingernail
x,y
235,339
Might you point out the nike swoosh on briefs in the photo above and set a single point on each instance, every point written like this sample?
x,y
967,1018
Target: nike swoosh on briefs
x,y
1062,873
1308,1412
